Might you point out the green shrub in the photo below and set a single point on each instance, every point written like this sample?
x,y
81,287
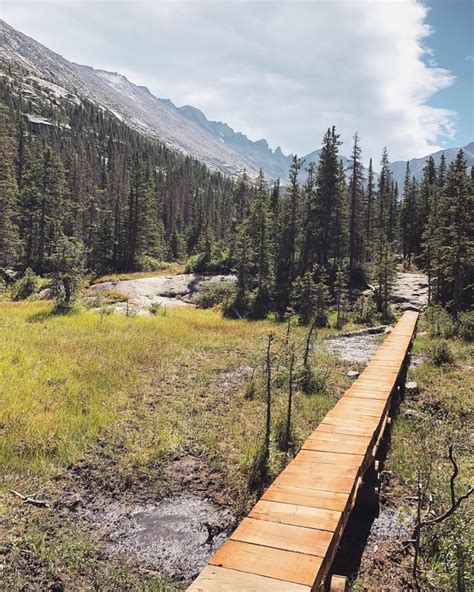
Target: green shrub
x,y
154,308
201,263
215,293
284,440
250,389
238,306
441,353
26,286
466,325
439,322
147,263
364,310
256,465
311,382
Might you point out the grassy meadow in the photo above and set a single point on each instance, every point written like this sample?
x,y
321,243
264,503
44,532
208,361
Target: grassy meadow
x,y
176,379
133,394
104,403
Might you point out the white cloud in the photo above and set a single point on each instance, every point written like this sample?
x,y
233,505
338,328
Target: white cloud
x,y
280,70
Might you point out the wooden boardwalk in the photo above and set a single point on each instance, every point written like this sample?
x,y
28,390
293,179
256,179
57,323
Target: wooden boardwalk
x,y
288,541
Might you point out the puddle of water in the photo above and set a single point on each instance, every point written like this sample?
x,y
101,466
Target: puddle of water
x,y
359,348
391,524
176,536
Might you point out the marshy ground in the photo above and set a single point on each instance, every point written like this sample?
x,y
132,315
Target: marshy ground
x,y
139,434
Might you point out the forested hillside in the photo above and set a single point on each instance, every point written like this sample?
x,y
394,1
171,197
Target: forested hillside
x,y
77,180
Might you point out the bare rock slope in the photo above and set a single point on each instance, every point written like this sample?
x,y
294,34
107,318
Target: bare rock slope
x,y
171,291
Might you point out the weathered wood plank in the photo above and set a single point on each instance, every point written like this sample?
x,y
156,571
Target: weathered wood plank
x,y
324,441
221,579
288,566
303,496
296,515
287,537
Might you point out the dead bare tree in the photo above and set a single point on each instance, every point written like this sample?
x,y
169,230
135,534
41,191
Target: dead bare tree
x,y
421,523
308,342
269,396
290,396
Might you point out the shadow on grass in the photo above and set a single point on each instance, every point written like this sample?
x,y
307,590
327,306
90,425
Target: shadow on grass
x,y
58,310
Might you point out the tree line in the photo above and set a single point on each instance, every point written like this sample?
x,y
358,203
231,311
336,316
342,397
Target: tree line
x,y
85,182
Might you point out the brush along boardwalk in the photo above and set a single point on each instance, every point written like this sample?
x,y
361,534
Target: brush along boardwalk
x,y
288,541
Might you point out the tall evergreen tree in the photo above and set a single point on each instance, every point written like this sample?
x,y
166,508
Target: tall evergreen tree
x,y
10,245
356,196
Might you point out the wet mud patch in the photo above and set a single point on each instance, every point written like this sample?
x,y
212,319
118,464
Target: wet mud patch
x,y
356,349
192,475
175,536
392,523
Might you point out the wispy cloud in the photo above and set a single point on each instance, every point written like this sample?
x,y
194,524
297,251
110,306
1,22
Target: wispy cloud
x,y
280,70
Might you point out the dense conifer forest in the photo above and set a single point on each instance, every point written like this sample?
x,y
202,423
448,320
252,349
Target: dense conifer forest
x,y
89,189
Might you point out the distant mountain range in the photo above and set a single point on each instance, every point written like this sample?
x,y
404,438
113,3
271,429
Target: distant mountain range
x,y
46,76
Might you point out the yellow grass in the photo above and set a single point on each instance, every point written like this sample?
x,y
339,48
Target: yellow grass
x,y
160,384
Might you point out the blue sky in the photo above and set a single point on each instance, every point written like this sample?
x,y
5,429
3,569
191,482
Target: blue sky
x,y
453,45
399,72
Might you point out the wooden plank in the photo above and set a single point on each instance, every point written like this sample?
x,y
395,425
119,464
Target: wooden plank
x,y
324,482
296,515
338,443
365,392
316,469
288,566
221,579
328,458
299,539
346,429
303,496
370,407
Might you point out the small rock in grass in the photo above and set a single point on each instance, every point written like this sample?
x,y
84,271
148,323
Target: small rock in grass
x,y
411,387
353,374
413,414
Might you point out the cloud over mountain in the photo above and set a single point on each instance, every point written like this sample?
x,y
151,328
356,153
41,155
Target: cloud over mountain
x,y
284,71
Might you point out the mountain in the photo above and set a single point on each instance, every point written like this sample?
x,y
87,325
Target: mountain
x,y
273,162
41,69
45,75
417,164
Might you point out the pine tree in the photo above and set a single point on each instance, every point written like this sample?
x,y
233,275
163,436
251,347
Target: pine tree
x,y
429,213
383,259
42,206
286,254
328,179
9,232
369,230
407,217
356,195
309,215
259,230
455,242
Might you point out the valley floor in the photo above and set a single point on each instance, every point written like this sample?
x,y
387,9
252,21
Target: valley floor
x,y
108,417
140,435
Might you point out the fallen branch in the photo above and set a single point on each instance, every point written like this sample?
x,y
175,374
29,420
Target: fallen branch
x,y
30,500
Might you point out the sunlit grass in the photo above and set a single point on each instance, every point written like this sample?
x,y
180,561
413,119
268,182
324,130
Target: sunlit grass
x,y
153,382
